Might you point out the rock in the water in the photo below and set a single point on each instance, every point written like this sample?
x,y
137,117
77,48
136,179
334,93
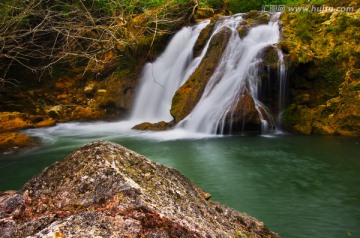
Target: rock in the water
x,y
106,190
243,116
10,121
158,126
13,121
12,140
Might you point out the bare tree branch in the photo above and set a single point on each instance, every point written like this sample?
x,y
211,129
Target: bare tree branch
x,y
38,34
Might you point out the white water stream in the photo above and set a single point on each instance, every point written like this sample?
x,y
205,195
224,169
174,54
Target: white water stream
x,y
161,79
236,73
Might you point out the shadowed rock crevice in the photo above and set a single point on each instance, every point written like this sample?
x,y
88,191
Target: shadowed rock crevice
x,y
104,189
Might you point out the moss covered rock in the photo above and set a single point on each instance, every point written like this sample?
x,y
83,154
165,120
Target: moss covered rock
x,y
10,121
203,38
14,140
323,50
243,116
158,126
187,96
252,19
14,121
204,13
115,93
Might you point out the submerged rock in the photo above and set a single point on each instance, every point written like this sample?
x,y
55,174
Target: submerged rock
x,y
106,190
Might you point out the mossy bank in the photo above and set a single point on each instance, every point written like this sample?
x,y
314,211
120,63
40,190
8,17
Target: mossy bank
x,y
323,55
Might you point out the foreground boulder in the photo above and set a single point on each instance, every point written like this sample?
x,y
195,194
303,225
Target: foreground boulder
x,y
106,190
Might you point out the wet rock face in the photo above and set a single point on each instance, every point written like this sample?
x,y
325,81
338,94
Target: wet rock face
x,y
104,189
188,95
252,19
243,116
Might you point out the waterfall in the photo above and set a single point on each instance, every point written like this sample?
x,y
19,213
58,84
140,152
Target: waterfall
x,y
282,86
234,84
161,79
235,76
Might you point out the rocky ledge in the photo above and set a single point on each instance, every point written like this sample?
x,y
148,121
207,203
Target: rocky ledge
x,y
106,190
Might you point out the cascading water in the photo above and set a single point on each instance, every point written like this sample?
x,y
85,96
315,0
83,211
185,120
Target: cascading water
x,y
282,86
235,76
161,79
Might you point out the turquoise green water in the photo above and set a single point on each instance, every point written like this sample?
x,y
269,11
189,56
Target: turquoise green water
x,y
299,186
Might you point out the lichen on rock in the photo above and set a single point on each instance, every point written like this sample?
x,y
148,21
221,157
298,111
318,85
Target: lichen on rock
x,y
10,141
104,189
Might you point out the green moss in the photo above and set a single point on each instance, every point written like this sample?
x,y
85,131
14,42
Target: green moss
x,y
355,88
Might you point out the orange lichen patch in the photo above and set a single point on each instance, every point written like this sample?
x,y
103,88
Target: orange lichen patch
x,y
85,113
10,140
10,121
65,83
59,234
46,123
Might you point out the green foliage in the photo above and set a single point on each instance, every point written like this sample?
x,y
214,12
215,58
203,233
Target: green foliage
x,y
342,23
245,5
216,4
303,27
354,88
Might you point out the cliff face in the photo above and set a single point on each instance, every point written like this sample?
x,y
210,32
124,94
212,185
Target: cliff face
x,y
104,189
323,51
